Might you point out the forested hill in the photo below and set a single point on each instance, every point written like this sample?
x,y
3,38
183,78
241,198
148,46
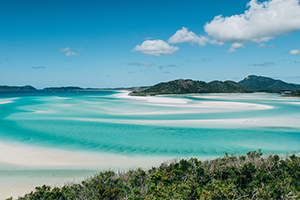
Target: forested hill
x,y
182,86
17,88
69,88
266,84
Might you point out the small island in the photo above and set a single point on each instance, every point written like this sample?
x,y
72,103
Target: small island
x,y
187,86
17,88
251,83
68,88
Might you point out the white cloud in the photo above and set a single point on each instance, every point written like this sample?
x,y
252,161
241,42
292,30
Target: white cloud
x,y
234,46
155,48
64,49
295,52
237,45
38,67
185,36
265,64
231,50
262,45
261,22
216,42
70,53
141,64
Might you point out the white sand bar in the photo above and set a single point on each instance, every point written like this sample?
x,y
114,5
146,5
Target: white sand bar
x,y
15,157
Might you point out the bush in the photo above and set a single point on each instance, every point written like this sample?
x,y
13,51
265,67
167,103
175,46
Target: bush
x,y
231,177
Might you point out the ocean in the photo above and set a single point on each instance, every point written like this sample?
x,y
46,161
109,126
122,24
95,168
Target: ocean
x,y
82,132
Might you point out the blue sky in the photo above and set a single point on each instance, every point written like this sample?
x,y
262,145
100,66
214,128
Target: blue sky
x,y
121,43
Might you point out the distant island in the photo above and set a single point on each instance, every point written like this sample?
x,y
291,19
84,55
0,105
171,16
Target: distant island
x,y
182,86
266,84
17,88
69,88
251,83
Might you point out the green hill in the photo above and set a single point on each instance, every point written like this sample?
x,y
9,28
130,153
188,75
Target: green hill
x,y
182,86
266,84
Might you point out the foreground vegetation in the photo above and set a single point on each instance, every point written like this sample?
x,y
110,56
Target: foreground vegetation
x,y
252,176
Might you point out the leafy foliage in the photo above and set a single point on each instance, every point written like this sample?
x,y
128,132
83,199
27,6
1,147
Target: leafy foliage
x,y
231,177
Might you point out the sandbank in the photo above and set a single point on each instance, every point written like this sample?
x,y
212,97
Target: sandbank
x,y
209,106
207,123
23,167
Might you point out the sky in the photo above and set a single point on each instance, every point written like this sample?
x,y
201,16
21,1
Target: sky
x,y
124,43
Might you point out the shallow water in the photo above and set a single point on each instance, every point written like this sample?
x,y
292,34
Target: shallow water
x,y
177,125
108,129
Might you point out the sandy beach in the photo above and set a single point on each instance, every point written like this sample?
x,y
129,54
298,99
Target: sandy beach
x,y
22,167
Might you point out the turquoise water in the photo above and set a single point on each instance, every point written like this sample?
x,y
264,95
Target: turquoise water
x,y
56,138
178,125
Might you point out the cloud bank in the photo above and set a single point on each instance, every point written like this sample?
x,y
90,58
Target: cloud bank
x,y
155,48
261,22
